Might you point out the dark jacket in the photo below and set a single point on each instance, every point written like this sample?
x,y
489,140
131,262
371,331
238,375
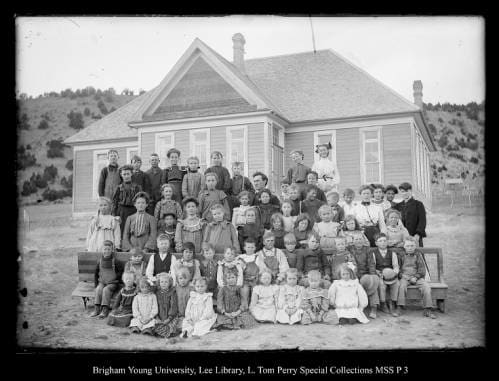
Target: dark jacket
x,y
413,216
273,200
142,179
156,179
308,259
103,177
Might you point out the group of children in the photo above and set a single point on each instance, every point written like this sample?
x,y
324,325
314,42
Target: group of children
x,y
302,256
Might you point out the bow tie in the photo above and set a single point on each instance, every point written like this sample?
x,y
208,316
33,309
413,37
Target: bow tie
x,y
365,203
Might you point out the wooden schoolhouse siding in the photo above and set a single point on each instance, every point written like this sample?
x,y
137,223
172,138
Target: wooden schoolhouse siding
x,y
396,154
218,139
256,159
348,158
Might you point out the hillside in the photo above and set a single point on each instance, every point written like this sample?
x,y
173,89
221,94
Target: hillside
x,y
45,121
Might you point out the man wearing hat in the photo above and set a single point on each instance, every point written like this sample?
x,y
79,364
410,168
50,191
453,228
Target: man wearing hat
x,y
387,268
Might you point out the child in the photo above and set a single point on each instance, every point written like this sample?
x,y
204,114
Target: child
x,y
145,309
366,271
238,213
160,262
348,297
288,219
290,249
312,179
413,213
167,204
110,176
124,196
107,274
284,196
183,290
199,314
223,175
240,183
121,315
187,261
338,214
264,299
211,196
413,273
327,230
266,209
310,259
315,302
167,319
103,227
351,229
156,178
192,228
277,224
298,173
289,299
395,231
387,268
140,228
174,175
250,268
168,226
303,226
252,229
229,265
193,181
220,232
311,205
390,192
340,256
139,177
272,259
208,267
347,203
379,195
232,308
136,264
295,199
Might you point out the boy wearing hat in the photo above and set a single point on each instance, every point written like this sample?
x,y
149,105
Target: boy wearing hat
x,y
413,273
387,267
298,173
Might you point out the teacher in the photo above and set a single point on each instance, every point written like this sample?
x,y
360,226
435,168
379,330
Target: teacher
x,y
329,176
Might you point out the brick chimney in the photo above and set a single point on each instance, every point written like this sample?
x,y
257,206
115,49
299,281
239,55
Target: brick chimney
x,y
238,49
417,86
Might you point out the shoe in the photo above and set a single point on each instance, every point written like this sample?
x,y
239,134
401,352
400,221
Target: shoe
x,y
135,329
147,331
96,311
372,314
429,313
384,308
344,321
104,312
352,321
395,310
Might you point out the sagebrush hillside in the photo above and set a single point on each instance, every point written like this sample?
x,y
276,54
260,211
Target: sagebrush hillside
x,y
45,164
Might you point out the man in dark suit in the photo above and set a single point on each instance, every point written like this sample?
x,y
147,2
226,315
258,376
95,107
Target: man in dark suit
x,y
156,179
413,213
260,181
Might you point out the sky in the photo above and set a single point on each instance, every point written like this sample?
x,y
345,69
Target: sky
x,y
445,53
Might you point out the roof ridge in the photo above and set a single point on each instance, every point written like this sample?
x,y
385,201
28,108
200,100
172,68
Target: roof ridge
x,y
335,53
285,55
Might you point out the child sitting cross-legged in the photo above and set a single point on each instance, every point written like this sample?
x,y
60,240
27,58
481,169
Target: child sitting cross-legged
x,y
413,273
167,318
121,315
264,299
232,306
288,219
251,229
220,232
289,299
208,267
136,264
229,265
107,275
315,303
272,259
277,228
186,261
348,297
250,269
199,313
144,308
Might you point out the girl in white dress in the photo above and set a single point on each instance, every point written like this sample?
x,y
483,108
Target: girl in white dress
x,y
264,299
103,227
329,176
199,313
348,297
144,309
289,299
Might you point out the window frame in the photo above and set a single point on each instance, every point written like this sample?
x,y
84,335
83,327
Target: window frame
x,y
96,173
363,174
157,137
208,144
333,144
229,140
128,153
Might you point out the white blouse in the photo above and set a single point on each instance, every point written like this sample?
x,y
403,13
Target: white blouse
x,y
371,214
328,168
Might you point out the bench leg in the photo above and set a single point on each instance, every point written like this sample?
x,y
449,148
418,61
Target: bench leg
x,y
441,305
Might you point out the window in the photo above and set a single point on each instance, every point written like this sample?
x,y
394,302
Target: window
x,y
130,152
100,161
324,137
371,164
237,142
200,146
163,142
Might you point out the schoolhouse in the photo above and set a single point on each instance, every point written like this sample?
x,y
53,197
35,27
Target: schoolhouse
x,y
257,111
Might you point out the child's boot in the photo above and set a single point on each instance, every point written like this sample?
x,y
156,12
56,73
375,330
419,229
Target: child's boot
x,y
395,309
372,314
97,310
384,308
104,312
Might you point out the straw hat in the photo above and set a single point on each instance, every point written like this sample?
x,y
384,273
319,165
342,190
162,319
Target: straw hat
x,y
389,276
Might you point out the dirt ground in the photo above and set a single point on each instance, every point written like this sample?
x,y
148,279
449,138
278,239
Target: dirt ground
x,y
56,320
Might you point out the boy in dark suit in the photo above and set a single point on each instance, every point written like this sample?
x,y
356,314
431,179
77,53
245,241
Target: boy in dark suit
x,y
413,213
156,179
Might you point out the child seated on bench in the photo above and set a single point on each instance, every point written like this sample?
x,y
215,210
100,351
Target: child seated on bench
x,y
136,264
413,273
187,261
160,262
107,274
